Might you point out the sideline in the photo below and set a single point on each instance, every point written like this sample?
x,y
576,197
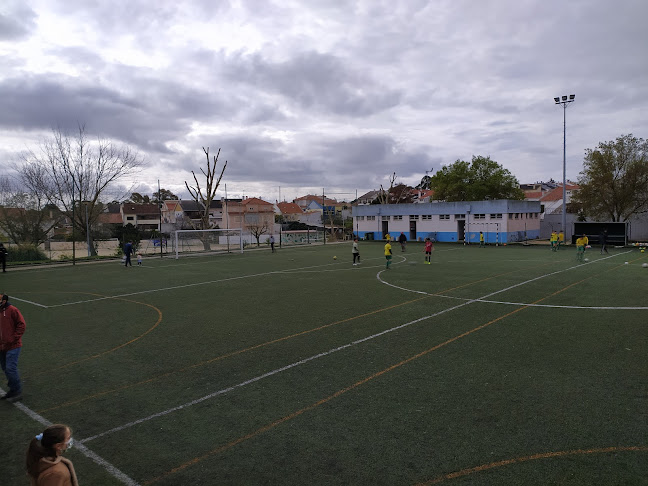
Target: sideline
x,y
112,470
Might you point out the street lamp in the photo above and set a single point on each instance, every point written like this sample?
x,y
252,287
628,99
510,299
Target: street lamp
x,y
564,100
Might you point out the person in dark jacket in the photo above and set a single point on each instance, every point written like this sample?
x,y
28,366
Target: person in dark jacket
x,y
12,327
402,239
128,251
3,257
603,241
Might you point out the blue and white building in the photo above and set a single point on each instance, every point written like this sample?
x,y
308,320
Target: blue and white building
x,y
501,221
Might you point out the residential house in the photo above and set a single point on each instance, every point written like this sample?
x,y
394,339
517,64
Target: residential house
x,y
367,198
289,211
552,204
193,213
172,215
143,216
422,195
251,215
305,202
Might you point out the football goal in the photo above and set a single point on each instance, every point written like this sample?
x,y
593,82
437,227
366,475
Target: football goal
x,y
192,242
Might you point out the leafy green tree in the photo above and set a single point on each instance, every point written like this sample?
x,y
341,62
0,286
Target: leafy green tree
x,y
164,195
481,179
614,179
137,198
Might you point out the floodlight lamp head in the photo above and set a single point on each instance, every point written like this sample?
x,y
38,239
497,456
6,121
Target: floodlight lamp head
x,y
571,97
564,98
557,100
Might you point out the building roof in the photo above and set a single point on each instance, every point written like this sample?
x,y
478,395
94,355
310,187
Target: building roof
x,y
289,208
172,205
534,194
255,200
131,208
110,218
318,199
556,194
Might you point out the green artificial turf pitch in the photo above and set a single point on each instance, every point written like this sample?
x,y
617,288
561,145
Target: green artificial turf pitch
x,y
498,365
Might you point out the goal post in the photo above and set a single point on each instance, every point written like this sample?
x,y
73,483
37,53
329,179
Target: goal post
x,y
208,241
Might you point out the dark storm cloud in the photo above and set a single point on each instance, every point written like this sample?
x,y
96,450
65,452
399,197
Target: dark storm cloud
x,y
17,21
358,161
158,111
314,81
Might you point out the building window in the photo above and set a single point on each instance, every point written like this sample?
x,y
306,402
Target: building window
x,y
385,218
360,218
414,217
460,216
517,215
398,218
426,216
479,216
496,216
130,218
371,218
444,216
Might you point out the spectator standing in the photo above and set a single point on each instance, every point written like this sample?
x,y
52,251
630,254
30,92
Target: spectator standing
x,y
355,251
272,242
12,327
3,257
603,241
128,251
45,463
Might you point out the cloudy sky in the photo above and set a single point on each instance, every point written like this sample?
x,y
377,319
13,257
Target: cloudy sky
x,y
333,94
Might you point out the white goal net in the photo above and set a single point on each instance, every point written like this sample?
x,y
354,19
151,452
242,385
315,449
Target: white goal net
x,y
193,242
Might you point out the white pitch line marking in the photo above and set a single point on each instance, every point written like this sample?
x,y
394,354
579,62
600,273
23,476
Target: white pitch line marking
x,y
482,299
311,358
112,470
29,302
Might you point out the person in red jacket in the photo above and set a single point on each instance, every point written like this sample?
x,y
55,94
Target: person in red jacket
x,y
12,327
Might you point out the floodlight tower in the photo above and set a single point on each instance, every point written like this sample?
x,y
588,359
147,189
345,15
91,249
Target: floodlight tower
x,y
564,100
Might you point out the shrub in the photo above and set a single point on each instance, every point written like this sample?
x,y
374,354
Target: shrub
x,y
25,253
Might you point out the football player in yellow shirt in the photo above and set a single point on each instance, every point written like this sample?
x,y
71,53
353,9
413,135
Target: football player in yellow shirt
x,y
581,243
388,254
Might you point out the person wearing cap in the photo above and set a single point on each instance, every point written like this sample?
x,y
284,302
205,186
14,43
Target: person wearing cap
x,y
45,463
12,327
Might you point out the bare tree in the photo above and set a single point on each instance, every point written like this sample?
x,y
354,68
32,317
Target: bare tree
x,y
383,195
205,196
73,173
24,216
257,230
